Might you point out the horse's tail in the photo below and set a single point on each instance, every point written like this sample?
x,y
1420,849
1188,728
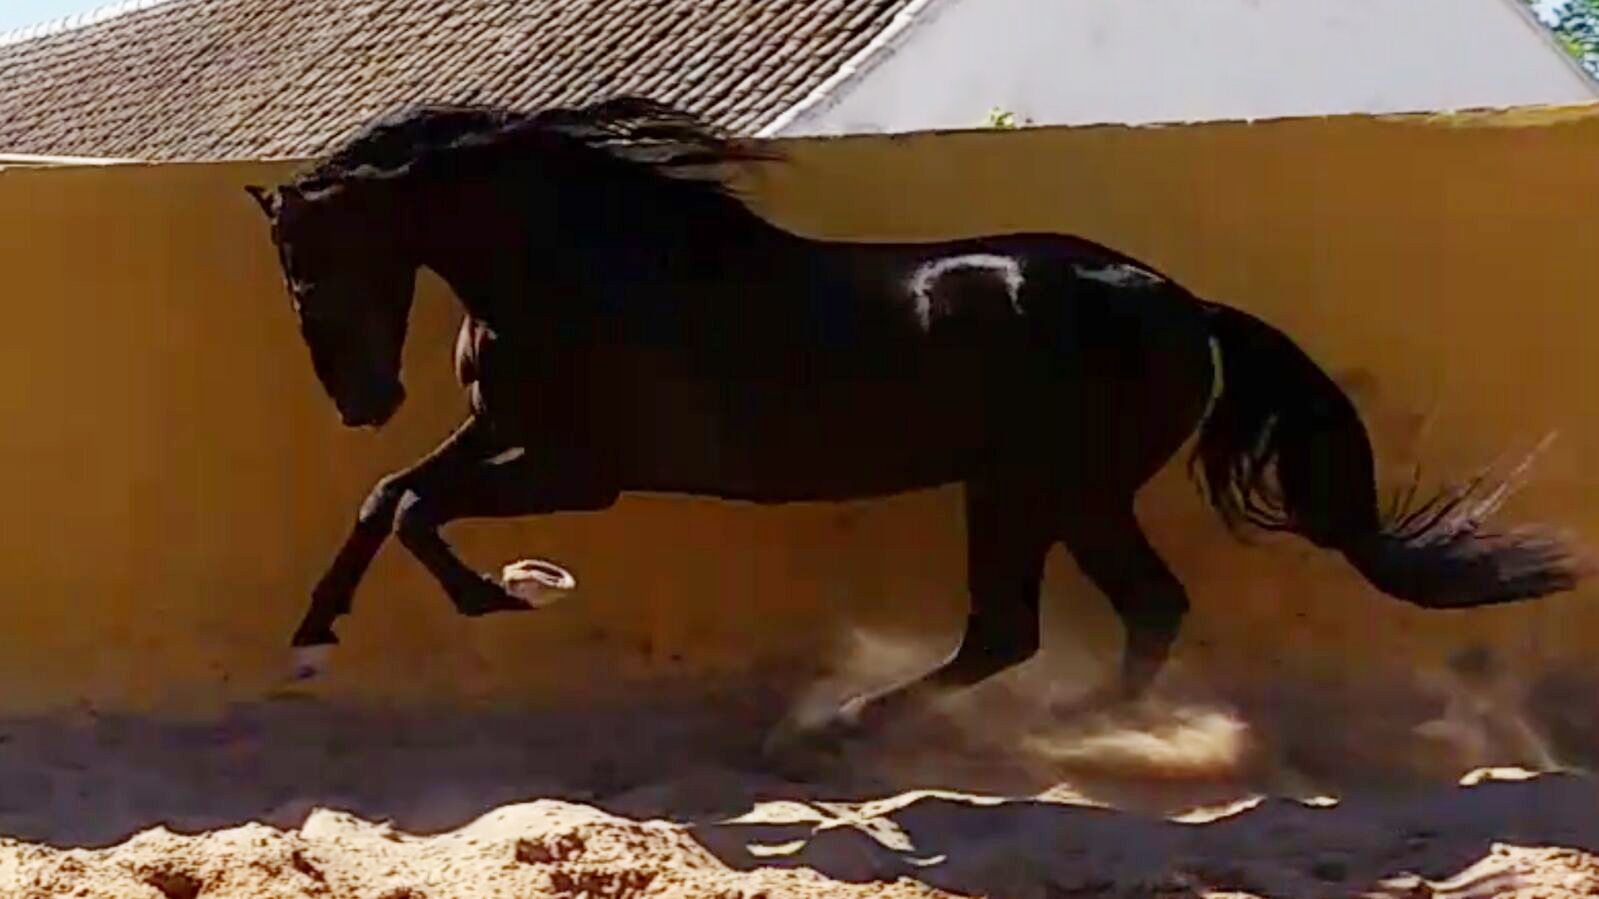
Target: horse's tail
x,y
1278,412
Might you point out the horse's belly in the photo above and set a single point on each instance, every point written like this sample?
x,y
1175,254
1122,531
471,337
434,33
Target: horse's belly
x,y
669,436
853,439
779,439
792,443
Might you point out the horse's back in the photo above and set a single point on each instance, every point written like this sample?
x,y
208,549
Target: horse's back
x,y
941,362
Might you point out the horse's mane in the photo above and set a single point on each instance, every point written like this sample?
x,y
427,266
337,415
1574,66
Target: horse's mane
x,y
649,137
387,145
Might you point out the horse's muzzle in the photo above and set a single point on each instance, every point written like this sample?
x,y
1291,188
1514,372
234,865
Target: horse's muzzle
x,y
372,410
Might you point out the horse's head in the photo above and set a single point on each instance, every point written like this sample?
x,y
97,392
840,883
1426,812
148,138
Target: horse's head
x,y
351,277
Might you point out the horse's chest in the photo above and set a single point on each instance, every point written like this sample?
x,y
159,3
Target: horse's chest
x,y
515,381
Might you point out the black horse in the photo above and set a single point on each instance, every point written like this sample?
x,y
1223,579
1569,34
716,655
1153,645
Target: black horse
x,y
632,326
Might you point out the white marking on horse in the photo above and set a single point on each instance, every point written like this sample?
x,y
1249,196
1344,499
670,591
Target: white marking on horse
x,y
1007,268
1217,379
1120,275
510,455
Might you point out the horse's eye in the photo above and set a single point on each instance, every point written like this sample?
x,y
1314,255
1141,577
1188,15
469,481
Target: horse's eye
x,y
298,288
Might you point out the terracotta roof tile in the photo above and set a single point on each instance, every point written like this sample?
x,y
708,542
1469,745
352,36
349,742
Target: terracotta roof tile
x,y
208,79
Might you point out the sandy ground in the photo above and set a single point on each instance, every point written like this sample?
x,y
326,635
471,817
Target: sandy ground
x,y
1516,837
908,846
1008,792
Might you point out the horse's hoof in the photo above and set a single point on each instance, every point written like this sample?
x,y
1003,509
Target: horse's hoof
x,y
486,597
311,662
851,717
1099,703
536,582
307,666
804,752
828,733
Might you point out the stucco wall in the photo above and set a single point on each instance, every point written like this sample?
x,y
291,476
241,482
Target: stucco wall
x,y
1135,61
174,480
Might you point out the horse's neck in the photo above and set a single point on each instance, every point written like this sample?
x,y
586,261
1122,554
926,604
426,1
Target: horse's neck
x,y
691,225
486,286
507,272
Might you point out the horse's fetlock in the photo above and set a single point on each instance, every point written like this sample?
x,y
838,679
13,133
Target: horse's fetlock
x,y
314,634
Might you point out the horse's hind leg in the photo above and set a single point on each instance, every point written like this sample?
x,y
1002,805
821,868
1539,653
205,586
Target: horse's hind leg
x,y
1010,528
1113,552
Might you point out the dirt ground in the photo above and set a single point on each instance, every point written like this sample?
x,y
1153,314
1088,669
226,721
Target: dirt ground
x,y
1008,792
912,845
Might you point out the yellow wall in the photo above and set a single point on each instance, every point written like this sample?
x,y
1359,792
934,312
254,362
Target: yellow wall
x,y
174,479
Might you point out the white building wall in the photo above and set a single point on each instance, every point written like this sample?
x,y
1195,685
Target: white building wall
x,y
1091,61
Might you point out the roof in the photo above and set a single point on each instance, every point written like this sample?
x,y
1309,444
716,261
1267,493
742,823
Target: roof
x,y
214,79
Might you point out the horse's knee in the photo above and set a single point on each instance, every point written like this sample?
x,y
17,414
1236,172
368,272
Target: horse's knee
x,y
414,519
988,647
1017,646
381,506
1009,649
1002,636
1152,619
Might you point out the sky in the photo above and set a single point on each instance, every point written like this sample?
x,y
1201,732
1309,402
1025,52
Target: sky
x,y
17,13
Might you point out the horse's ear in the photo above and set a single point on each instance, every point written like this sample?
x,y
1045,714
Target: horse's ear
x,y
269,200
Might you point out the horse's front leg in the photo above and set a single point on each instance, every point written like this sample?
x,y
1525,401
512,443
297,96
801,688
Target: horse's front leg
x,y
334,593
506,485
